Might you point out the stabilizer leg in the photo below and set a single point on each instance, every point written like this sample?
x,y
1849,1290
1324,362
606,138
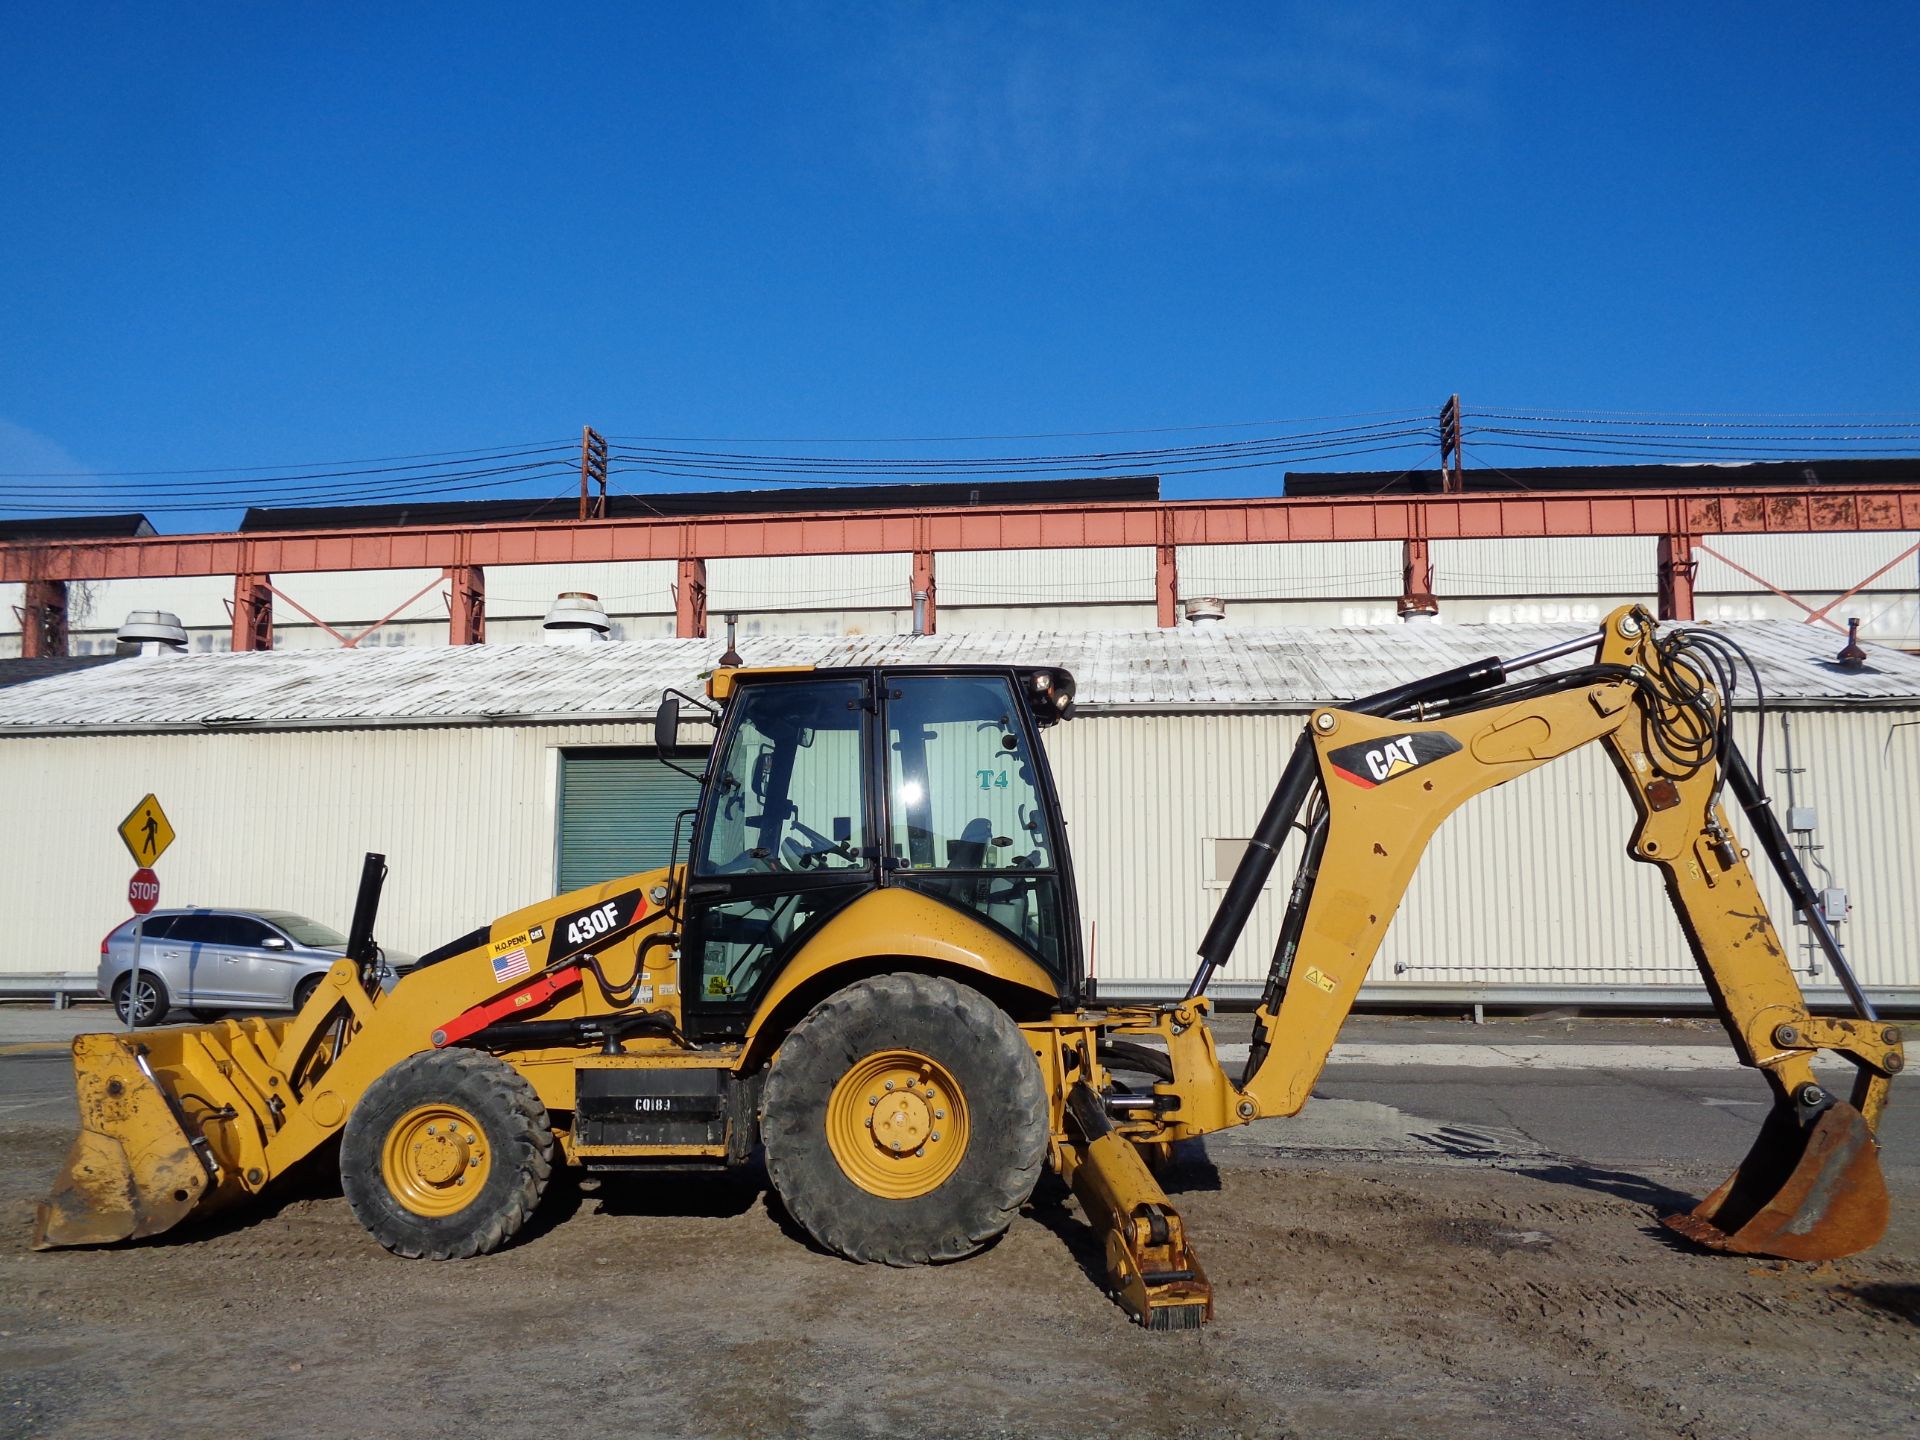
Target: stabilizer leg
x,y
1151,1269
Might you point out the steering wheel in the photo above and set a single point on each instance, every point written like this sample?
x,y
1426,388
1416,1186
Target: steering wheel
x,y
823,847
748,862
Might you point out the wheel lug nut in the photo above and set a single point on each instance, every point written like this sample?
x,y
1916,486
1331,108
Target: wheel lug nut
x,y
921,1151
873,1099
934,1136
432,1131
939,1114
896,1147
889,1084
869,1122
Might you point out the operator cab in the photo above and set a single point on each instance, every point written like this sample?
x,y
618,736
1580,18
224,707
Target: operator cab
x,y
826,784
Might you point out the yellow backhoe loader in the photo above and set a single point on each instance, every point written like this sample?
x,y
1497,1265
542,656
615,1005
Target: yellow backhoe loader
x,y
866,964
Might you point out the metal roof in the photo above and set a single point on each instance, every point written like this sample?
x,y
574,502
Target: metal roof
x,y
1287,669
1678,477
906,495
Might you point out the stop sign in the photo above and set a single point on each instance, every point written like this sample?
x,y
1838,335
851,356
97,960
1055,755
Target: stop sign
x,y
143,891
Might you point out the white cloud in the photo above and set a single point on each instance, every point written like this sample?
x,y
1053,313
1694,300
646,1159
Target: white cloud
x,y
1036,102
27,452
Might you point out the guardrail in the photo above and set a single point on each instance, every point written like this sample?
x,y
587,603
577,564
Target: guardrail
x,y
59,991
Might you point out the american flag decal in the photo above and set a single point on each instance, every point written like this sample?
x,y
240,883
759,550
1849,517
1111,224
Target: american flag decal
x,y
510,966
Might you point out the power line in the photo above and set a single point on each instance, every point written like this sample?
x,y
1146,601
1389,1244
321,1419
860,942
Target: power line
x,y
981,439
69,480
513,447
175,504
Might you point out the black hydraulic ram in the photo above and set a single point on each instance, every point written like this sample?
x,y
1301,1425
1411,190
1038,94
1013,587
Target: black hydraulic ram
x,y
1303,772
361,948
1786,864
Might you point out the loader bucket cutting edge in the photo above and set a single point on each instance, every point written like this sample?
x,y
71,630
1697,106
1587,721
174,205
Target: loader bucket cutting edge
x,y
133,1170
1804,1192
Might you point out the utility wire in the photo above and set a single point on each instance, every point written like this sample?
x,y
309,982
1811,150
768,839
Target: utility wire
x,y
72,481
296,465
1034,435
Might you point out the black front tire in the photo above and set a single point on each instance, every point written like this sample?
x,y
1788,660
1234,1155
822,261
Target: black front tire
x,y
974,1041
153,1001
518,1137
303,992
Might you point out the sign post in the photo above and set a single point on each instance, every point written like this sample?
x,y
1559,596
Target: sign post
x,y
146,832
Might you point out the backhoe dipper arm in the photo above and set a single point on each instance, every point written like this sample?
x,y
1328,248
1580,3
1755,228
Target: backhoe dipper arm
x,y
1382,784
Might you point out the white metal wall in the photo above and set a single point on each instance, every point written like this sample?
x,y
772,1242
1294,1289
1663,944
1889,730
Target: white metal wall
x,y
1528,885
1304,571
465,817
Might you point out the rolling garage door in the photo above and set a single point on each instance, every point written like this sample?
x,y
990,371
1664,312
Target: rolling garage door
x,y
617,809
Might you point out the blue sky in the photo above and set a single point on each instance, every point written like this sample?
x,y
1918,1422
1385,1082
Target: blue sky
x,y
248,235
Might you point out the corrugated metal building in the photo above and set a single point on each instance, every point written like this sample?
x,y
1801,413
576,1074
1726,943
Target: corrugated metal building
x,y
494,775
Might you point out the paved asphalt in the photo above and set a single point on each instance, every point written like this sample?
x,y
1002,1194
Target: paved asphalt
x,y
1605,1114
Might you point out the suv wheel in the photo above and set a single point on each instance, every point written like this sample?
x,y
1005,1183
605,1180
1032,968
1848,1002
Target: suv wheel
x,y
150,999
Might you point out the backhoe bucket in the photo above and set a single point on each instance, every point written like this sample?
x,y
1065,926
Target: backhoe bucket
x,y
141,1163
1804,1192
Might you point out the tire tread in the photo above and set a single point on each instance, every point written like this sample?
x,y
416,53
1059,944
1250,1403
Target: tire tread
x,y
506,1097
816,1053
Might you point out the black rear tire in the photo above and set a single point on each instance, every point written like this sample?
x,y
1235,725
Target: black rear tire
x,y
515,1146
153,1000
979,1047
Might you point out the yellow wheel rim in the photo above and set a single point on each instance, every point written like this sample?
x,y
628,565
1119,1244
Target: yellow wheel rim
x,y
436,1159
897,1123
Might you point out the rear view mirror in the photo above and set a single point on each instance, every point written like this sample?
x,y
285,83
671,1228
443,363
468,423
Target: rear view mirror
x,y
666,723
274,942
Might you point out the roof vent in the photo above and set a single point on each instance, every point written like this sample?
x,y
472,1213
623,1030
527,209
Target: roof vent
x,y
576,618
1854,656
151,632
1210,610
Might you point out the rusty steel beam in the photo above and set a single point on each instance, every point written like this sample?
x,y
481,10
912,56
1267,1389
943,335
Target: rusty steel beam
x,y
690,600
1157,526
43,620
1416,581
920,593
468,606
1166,569
1674,570
252,612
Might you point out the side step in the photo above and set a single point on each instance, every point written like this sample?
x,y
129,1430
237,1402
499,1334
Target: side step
x,y
1151,1269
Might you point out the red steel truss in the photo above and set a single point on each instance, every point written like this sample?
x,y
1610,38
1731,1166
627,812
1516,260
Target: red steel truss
x,y
1676,518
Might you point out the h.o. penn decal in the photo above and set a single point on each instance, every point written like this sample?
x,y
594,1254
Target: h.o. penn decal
x,y
1368,763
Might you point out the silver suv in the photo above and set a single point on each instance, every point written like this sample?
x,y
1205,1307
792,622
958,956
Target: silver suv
x,y
215,960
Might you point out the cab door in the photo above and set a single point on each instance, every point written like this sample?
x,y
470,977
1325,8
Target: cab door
x,y
785,839
971,815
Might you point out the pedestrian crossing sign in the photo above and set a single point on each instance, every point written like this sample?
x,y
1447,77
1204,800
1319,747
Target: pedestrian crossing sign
x,y
146,832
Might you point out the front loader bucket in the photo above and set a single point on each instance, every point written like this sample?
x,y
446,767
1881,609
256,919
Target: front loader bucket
x,y
140,1164
1804,1192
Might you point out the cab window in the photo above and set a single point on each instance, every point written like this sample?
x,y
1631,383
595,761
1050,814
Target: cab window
x,y
962,786
789,794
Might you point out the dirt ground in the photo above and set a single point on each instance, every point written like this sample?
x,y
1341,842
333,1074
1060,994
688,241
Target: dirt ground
x,y
1356,1296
